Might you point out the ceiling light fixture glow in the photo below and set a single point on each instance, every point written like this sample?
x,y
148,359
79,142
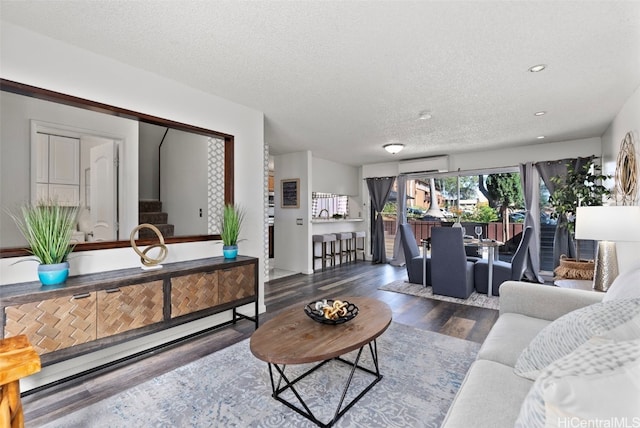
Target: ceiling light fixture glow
x,y
424,115
537,68
540,113
540,137
393,148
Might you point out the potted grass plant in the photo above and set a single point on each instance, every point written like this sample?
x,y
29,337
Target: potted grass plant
x,y
47,226
232,217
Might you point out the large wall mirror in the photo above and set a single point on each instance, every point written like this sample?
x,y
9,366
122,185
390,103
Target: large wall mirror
x,y
121,167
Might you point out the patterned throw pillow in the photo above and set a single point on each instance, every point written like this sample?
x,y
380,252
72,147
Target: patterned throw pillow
x,y
596,385
615,319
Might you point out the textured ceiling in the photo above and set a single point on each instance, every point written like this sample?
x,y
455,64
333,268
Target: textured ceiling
x,y
343,78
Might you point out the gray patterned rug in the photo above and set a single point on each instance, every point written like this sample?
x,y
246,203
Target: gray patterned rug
x,y
475,299
231,388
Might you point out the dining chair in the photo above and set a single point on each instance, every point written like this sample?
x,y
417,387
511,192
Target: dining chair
x,y
451,272
503,271
413,259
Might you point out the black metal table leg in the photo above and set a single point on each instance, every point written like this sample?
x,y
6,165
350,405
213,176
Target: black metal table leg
x,y
305,411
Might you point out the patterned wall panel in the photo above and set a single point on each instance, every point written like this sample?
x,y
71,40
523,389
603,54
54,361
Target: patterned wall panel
x,y
265,202
236,283
55,323
215,184
195,292
129,307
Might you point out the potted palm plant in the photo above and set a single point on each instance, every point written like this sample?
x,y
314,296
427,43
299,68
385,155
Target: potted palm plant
x,y
47,227
232,217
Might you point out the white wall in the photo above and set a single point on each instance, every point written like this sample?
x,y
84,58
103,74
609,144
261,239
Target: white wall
x,y
292,242
627,119
183,183
86,75
332,177
15,159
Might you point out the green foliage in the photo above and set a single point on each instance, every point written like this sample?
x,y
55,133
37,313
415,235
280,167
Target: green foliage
x,y
47,227
390,208
505,190
581,187
468,185
483,214
232,217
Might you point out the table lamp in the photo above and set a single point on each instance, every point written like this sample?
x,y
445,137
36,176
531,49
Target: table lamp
x,y
607,225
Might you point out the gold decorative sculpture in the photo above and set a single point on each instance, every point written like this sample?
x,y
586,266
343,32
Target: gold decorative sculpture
x,y
148,262
627,172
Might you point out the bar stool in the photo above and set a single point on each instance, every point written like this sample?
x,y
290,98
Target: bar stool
x,y
344,239
324,239
357,249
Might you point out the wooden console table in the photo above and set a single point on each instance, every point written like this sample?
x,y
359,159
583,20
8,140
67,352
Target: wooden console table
x,y
18,359
92,311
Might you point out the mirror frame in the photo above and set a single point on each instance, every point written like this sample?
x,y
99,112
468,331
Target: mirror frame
x,y
57,97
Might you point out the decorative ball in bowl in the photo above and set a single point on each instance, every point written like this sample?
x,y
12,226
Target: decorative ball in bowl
x,y
329,311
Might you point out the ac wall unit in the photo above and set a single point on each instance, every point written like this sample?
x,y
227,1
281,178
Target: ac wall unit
x,y
430,164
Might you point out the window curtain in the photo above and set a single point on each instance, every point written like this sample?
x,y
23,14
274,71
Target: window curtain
x,y
529,177
379,189
563,242
401,218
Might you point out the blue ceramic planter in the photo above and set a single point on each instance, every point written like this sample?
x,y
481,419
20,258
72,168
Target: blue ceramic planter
x,y
230,251
53,274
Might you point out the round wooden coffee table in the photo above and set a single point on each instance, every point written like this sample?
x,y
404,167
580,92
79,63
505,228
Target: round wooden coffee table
x,y
294,338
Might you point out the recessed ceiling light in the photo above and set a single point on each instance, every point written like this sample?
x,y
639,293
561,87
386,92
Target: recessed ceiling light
x,y
424,115
537,68
540,137
540,113
393,148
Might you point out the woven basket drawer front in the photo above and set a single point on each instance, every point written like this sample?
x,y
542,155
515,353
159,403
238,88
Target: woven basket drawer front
x,y
237,283
195,292
129,307
54,324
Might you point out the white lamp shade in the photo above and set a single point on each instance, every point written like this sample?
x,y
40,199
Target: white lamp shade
x,y
612,223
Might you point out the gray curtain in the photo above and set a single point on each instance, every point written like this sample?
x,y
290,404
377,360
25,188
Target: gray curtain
x,y
401,218
563,242
529,178
379,189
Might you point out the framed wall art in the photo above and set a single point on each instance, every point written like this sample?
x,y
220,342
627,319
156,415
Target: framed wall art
x,y
290,193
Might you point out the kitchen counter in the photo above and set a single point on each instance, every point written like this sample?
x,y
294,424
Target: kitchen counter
x,y
335,220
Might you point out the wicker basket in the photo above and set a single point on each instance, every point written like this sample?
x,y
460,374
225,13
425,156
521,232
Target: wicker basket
x,y
574,269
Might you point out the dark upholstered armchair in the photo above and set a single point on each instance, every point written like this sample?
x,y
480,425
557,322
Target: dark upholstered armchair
x,y
503,271
451,273
412,256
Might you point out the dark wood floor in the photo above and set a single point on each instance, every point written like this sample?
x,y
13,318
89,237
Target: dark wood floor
x,y
355,279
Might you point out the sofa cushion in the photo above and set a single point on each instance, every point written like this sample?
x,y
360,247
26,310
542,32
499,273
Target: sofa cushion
x,y
564,335
509,336
490,397
625,286
596,382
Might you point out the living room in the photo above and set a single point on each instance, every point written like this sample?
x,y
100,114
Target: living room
x,y
91,75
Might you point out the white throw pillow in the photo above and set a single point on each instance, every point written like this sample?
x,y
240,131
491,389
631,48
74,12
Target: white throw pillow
x,y
597,383
625,286
616,319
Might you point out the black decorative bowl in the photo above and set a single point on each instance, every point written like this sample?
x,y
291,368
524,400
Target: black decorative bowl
x,y
318,314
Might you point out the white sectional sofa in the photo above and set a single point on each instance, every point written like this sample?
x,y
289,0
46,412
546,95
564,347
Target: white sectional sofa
x,y
491,394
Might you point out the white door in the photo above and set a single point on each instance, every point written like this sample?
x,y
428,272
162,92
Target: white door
x,y
102,194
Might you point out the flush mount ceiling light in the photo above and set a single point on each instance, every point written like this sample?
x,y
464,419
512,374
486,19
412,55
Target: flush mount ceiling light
x,y
540,137
537,68
393,148
424,115
540,113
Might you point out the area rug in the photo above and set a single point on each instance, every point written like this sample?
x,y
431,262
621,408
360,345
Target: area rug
x,y
422,371
475,299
